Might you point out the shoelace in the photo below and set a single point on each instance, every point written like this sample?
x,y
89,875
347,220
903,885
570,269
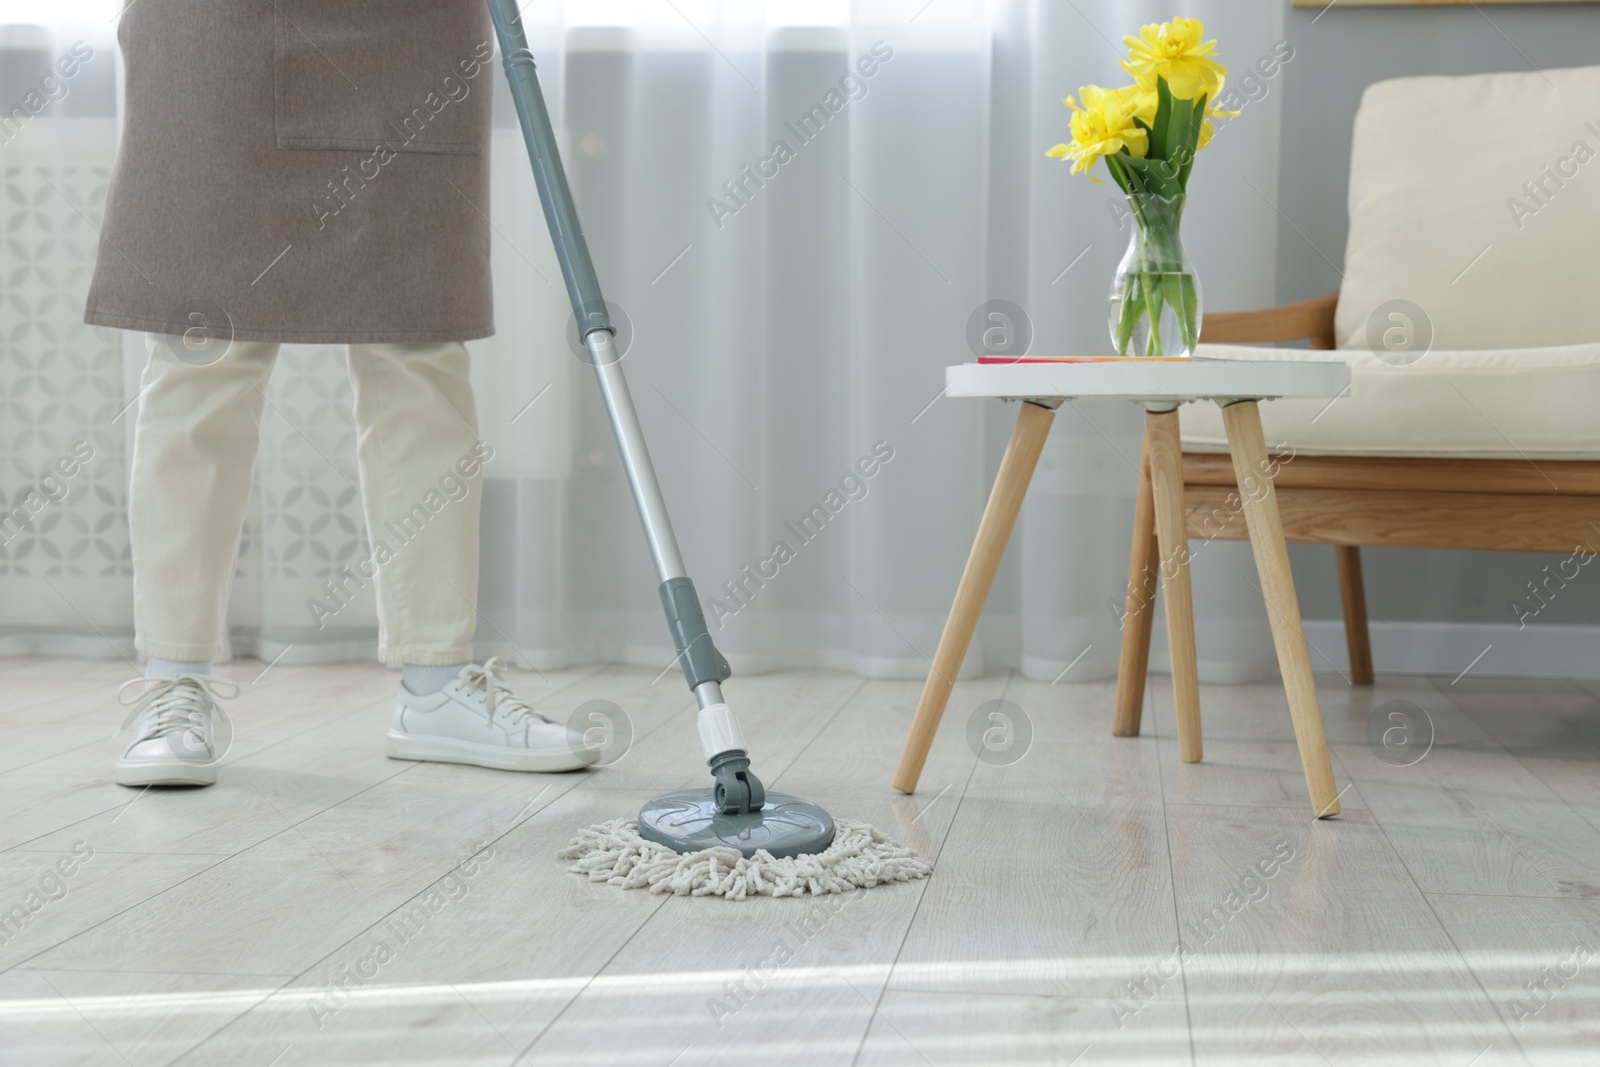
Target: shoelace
x,y
175,701
488,679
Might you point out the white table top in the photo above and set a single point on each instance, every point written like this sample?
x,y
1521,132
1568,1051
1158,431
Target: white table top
x,y
1134,378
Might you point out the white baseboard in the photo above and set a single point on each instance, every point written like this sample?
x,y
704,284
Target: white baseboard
x,y
1448,648
1436,648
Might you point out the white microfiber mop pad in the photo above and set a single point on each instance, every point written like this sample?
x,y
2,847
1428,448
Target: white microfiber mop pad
x,y
614,853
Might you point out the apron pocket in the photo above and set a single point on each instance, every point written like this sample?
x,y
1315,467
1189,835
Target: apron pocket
x,y
414,76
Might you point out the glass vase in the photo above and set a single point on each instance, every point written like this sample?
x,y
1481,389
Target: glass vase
x,y
1155,296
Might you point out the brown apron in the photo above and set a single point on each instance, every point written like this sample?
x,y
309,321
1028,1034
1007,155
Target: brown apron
x,y
301,171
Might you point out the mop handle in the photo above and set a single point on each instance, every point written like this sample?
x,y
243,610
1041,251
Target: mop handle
x,y
704,668
560,214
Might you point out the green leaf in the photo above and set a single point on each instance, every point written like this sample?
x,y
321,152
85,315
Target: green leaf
x,y
1172,128
1152,305
1158,176
1197,118
1179,133
1160,127
1132,305
1118,173
1173,289
1191,311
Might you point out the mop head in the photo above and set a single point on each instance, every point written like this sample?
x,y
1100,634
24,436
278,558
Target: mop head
x,y
860,857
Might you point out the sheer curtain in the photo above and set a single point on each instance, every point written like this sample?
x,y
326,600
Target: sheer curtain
x,y
802,212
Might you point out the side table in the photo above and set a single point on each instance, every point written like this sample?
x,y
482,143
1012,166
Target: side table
x,y
1160,535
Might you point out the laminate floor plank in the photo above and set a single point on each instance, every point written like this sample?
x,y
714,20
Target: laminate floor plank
x,y
283,903
294,709
1539,962
261,786
917,1029
55,793
95,1018
1530,714
77,715
49,897
1310,943
31,680
1059,711
1054,896
472,967
256,795
1478,821
1575,779
88,738
1260,771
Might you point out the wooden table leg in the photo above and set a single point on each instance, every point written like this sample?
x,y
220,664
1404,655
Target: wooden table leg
x,y
1138,607
1253,469
1005,500
1172,537
1353,594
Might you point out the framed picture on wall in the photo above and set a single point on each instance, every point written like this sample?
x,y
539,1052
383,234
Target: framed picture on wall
x,y
1427,3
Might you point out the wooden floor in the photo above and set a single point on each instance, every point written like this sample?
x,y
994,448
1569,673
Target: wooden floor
x,y
320,904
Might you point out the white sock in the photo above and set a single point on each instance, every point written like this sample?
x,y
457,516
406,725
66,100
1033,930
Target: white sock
x,y
156,667
425,681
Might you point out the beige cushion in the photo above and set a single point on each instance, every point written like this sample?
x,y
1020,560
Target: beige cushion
x,y
1437,167
1500,404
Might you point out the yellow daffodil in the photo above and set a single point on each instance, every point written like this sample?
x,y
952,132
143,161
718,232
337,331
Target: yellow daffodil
x,y
1173,50
1206,129
1144,102
1103,125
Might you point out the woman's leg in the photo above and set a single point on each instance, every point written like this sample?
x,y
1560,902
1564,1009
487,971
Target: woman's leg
x,y
193,452
421,472
194,446
421,462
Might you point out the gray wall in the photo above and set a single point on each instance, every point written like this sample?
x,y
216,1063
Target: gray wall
x,y
1336,58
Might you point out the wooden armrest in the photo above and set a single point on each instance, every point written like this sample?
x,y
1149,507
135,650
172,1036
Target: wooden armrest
x,y
1311,319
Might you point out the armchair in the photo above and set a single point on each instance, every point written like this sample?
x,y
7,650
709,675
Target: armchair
x,y
1469,317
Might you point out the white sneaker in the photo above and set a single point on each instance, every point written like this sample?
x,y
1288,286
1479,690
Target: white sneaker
x,y
173,742
475,719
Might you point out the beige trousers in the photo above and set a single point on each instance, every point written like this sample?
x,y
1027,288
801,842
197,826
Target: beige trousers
x,y
420,463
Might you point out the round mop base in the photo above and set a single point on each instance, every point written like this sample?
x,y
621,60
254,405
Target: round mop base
x,y
860,857
690,822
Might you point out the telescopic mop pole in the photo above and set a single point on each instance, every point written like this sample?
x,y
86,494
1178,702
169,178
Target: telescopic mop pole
x,y
737,789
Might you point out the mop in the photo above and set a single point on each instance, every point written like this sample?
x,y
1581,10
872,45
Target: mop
x,y
733,839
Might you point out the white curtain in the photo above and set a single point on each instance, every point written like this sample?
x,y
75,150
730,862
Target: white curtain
x,y
791,313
